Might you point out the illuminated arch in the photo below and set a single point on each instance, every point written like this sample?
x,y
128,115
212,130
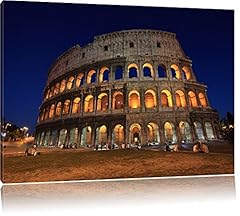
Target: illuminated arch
x,y
199,130
133,70
118,101
185,131
86,136
91,77
202,99
209,130
66,107
46,113
187,72
62,137
52,109
180,99
58,109
76,105
134,99
150,99
88,103
102,102
135,133
80,80
153,133
73,136
51,92
175,71
56,89
103,74
70,83
42,115
166,98
118,134
170,133
47,94
148,70
192,99
101,135
62,86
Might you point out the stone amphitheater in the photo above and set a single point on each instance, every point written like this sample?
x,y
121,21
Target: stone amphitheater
x,y
127,87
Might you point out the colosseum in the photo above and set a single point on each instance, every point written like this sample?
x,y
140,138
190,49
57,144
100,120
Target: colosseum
x,y
127,87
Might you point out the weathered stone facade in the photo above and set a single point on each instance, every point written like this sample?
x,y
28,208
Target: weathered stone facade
x,y
125,87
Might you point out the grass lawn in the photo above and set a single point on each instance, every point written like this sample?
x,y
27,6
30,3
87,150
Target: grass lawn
x,y
126,163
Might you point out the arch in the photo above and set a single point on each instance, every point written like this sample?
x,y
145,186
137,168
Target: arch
x,y
58,109
169,132
46,113
91,77
162,72
118,134
42,115
66,107
51,112
118,72
148,70
47,94
192,99
134,99
132,70
186,72
41,139
70,82
62,137
209,130
135,133
103,74
51,92
202,99
166,98
185,131
180,99
62,86
118,101
101,135
153,133
175,71
80,80
88,103
102,102
57,88
199,130
76,105
73,136
150,99
86,136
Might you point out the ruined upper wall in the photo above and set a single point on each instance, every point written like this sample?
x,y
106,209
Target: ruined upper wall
x,y
115,45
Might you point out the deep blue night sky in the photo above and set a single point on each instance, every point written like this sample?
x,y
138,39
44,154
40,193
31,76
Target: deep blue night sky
x,y
35,34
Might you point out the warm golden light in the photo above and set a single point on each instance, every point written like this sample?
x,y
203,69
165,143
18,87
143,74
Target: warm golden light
x,y
177,71
101,73
134,99
150,99
89,76
79,79
192,99
187,72
166,98
76,105
202,99
180,99
70,83
88,104
102,102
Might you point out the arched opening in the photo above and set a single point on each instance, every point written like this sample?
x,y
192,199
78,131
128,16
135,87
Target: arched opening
x,y
62,137
118,134
56,89
192,99
53,140
199,130
102,102
135,133
51,92
103,74
101,135
80,80
209,130
134,99
58,109
62,86
175,71
76,105
153,133
91,77
46,113
73,138
170,133
118,100
148,70
88,103
47,94
42,138
186,72
70,83
86,136
202,99
132,70
119,73
162,73
185,131
46,139
180,99
150,99
66,107
52,109
166,98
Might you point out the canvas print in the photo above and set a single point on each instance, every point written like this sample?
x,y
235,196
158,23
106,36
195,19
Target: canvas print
x,y
109,92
